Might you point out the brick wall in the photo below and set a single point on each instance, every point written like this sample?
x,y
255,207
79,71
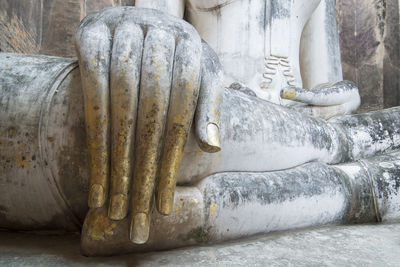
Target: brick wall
x,y
369,39
45,26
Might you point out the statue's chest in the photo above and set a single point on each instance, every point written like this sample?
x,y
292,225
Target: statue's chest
x,y
281,6
268,10
253,30
278,19
209,5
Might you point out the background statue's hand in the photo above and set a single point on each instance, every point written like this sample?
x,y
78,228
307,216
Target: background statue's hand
x,y
143,73
326,100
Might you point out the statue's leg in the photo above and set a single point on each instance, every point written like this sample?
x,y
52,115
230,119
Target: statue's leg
x,y
42,137
232,205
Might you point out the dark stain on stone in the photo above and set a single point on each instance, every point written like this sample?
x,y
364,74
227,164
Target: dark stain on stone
x,y
280,9
11,132
234,189
199,234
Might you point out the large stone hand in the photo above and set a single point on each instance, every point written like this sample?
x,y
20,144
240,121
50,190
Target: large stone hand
x,y
142,73
326,100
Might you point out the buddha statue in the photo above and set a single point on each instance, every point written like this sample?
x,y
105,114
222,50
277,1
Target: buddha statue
x,y
232,122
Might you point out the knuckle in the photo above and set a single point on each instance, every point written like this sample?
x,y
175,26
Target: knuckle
x,y
89,30
191,47
129,29
88,38
127,43
162,36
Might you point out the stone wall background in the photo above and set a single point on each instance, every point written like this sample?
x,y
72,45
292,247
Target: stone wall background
x,y
369,38
45,26
20,26
370,47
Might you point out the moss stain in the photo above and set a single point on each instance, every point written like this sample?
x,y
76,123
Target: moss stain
x,y
199,234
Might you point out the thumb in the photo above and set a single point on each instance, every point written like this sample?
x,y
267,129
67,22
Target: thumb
x,y
208,115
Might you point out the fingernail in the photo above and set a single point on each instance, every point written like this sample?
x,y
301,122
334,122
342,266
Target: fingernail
x,y
118,207
96,196
140,228
213,137
165,203
289,94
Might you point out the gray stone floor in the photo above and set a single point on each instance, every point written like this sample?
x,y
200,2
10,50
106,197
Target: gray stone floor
x,y
361,245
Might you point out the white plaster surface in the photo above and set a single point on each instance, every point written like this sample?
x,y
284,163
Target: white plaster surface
x,y
267,40
356,245
291,214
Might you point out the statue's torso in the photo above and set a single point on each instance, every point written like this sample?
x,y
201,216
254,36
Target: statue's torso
x,y
257,41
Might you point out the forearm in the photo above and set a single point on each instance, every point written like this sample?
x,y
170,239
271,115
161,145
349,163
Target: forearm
x,y
257,135
320,51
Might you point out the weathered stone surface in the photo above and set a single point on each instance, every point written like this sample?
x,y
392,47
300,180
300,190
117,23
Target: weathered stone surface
x,y
260,142
20,26
26,170
241,202
369,38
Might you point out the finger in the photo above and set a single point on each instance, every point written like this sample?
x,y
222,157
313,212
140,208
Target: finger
x,y
155,88
184,94
208,113
337,94
125,76
94,45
